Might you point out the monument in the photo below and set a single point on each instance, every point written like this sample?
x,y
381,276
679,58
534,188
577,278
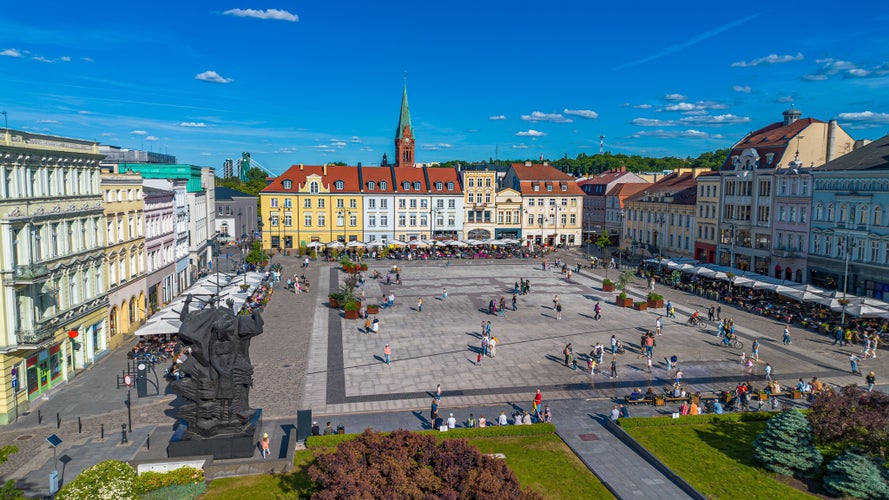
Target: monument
x,y
217,420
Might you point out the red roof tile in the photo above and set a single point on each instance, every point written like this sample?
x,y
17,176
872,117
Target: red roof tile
x,y
297,175
772,138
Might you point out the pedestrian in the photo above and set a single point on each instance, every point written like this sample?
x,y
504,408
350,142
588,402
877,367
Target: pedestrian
x,y
493,344
502,309
375,325
615,413
648,360
678,378
838,336
485,342
538,400
478,360
388,279
659,325
755,353
718,312
452,422
391,299
433,409
613,345
711,312
613,367
265,445
367,325
786,335
444,294
768,371
750,365
871,379
558,311
419,304
555,301
853,360
387,352
567,352
598,310
515,303
438,392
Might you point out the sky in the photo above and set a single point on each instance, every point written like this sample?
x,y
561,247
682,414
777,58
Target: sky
x,y
311,82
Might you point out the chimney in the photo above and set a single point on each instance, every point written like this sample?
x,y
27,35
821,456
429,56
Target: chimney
x,y
359,164
300,167
324,169
527,163
831,139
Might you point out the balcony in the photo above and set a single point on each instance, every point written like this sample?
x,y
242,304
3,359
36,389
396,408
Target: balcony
x,y
786,254
33,336
30,272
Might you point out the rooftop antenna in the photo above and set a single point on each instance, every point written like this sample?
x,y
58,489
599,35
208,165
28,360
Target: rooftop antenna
x,y
601,144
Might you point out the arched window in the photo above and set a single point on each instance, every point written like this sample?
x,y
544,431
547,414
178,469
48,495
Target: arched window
x,y
439,186
862,214
830,217
788,274
799,276
844,213
778,272
339,185
819,211
313,187
288,184
878,216
450,186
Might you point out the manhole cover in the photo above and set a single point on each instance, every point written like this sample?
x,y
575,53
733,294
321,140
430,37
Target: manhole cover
x,y
588,437
24,438
286,366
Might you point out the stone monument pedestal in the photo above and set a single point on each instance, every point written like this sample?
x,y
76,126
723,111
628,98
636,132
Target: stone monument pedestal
x,y
222,446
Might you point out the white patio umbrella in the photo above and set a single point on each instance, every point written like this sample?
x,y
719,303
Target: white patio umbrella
x,y
419,243
866,311
356,244
511,241
743,281
457,243
315,244
397,243
335,244
804,293
157,327
376,244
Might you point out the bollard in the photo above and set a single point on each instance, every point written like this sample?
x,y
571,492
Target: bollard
x,y
79,426
39,417
58,420
123,434
102,430
148,442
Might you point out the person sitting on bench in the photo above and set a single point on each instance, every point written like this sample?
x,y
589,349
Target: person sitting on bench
x,y
635,395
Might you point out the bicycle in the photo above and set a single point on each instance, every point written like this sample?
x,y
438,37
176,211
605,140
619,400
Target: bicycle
x,y
734,343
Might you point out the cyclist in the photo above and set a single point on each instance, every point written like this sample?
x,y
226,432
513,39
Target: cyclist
x,y
729,338
695,318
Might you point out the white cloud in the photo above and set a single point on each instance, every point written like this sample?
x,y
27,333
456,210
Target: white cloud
x,y
830,67
519,146
530,133
11,53
89,59
497,117
48,121
151,138
784,99
741,88
648,122
325,148
865,116
436,147
367,150
212,77
696,106
675,134
538,116
65,59
84,112
43,59
583,113
675,97
138,132
769,59
274,14
643,106
355,140
727,119
206,154
338,143
193,124
107,134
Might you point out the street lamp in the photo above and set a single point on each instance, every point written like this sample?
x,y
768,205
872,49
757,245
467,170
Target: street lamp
x,y
623,214
660,220
731,226
850,245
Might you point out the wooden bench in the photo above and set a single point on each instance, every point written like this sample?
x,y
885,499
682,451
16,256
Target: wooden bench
x,y
638,401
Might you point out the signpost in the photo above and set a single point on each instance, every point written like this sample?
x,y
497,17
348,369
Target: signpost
x,y
54,441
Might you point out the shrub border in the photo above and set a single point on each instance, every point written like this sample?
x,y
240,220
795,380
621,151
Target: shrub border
x,y
331,441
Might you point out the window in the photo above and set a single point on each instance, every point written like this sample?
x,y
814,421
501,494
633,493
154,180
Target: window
x,y
878,216
353,203
307,203
452,203
308,220
340,203
371,185
339,185
573,219
488,182
384,203
402,220
451,221
322,220
439,185
320,202
372,220
274,220
313,187
406,185
487,197
274,204
450,186
536,187
384,220
288,184
549,187
384,185
413,203
288,203
423,220
219,211
439,203
402,203
413,220
472,182
288,220
424,203
530,202
371,203
417,186
471,198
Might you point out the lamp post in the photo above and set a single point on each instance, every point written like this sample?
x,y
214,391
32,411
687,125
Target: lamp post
x,y
660,220
850,245
623,214
731,256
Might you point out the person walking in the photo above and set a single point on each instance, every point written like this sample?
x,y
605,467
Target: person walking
x,y
871,379
613,367
419,304
718,312
501,311
265,445
567,352
768,372
387,353
538,400
838,336
659,325
515,303
613,345
558,311
433,409
853,360
755,352
786,340
438,392
711,312
493,344
598,310
444,294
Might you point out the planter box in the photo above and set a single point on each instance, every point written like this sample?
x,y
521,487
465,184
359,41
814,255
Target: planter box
x,y
796,394
607,288
696,399
334,304
373,309
351,314
659,401
763,396
640,306
627,302
656,304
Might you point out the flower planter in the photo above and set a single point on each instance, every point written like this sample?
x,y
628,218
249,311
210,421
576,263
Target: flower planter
x,y
640,306
373,309
627,302
763,396
655,304
696,399
334,304
608,288
796,394
351,314
659,401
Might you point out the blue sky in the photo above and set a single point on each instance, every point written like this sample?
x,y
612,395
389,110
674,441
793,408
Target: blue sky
x,y
309,82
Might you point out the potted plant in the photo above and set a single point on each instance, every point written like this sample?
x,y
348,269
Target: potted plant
x,y
659,400
623,301
244,287
655,301
351,309
696,398
624,279
763,396
607,285
640,306
363,266
796,394
373,309
334,299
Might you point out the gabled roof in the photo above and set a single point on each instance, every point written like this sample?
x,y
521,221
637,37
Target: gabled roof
x,y
873,156
445,176
625,189
412,176
539,172
377,175
682,188
225,193
772,138
330,174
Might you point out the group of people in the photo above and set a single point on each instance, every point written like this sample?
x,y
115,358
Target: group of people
x,y
538,413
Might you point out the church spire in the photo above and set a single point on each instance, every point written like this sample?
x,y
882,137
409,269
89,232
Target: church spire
x,y
404,136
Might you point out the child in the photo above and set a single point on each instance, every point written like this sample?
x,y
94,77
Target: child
x,y
478,360
265,445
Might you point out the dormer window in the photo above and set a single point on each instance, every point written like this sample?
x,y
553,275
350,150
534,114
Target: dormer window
x,y
565,187
536,187
384,185
439,186
450,186
288,184
406,185
371,185
549,187
313,187
769,158
417,186
339,185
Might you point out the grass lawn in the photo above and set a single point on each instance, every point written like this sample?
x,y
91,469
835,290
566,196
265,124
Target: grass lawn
x,y
542,462
715,458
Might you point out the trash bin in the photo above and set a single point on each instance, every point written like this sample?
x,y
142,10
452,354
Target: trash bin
x,y
53,482
340,429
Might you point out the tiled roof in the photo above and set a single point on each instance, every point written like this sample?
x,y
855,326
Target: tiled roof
x,y
874,156
152,191
772,138
377,175
682,187
539,172
297,175
411,176
627,189
559,188
225,193
444,175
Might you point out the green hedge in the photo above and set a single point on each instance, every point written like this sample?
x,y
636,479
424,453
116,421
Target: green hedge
x,y
150,481
177,491
322,442
631,422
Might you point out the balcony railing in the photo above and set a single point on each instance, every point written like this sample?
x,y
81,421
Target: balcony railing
x,y
32,336
30,271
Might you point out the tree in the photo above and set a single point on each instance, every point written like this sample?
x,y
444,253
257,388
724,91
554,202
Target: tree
x,y
787,445
852,416
854,474
410,465
624,279
256,255
603,240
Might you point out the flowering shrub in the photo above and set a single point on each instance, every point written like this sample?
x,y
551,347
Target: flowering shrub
x,y
108,480
148,481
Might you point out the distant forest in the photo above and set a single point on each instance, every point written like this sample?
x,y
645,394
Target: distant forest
x,y
584,164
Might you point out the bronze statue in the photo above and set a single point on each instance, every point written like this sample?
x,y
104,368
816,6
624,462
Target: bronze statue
x,y
218,370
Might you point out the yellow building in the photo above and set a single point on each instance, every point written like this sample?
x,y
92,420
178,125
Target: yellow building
x,y
53,299
553,210
312,203
508,204
479,193
125,251
660,220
